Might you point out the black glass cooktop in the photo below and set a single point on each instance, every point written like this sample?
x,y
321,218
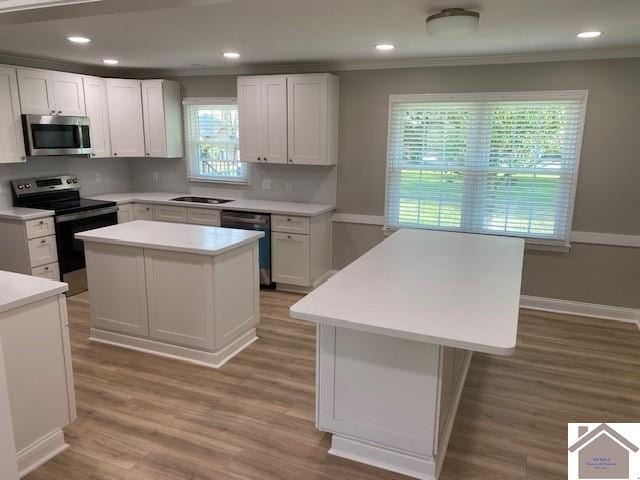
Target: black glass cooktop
x,y
72,205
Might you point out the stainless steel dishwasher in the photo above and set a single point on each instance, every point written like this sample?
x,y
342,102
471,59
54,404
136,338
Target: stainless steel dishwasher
x,y
254,221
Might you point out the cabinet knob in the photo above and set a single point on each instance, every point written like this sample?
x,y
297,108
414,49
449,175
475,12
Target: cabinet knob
x,y
289,236
288,219
41,222
46,269
265,159
93,154
115,154
59,112
43,241
258,158
291,160
148,154
52,112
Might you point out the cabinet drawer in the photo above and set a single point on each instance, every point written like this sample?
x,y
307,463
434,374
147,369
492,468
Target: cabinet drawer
x,y
288,224
201,216
290,258
142,212
40,227
51,271
42,251
170,214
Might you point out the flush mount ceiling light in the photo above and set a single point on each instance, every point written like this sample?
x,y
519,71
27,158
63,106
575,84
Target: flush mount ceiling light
x,y
110,61
231,55
592,34
385,47
78,39
453,22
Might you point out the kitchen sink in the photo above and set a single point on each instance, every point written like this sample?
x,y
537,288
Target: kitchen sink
x,y
212,201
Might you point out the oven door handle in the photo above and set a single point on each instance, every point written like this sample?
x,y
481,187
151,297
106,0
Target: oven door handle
x,y
86,214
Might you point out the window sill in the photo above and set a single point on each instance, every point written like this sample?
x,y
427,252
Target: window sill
x,y
242,183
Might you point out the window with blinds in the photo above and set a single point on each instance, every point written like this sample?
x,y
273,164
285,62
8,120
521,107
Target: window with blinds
x,y
503,164
211,140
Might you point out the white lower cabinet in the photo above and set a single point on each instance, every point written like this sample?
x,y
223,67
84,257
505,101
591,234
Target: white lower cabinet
x,y
51,271
201,216
171,275
122,309
142,212
43,250
125,213
39,379
166,213
300,250
290,258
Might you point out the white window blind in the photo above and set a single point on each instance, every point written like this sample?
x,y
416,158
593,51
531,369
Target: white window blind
x,y
211,140
502,164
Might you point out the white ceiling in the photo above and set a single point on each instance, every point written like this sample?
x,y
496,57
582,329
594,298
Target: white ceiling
x,y
175,34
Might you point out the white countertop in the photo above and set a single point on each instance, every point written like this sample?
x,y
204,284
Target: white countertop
x,y
178,237
454,289
19,213
261,206
17,290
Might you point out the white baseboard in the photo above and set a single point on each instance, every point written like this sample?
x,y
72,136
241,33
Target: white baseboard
x,y
607,312
41,451
191,355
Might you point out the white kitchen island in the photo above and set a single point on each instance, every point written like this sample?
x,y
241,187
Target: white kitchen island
x,y
396,330
189,292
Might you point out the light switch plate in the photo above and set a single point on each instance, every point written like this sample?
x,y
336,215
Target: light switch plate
x,y
288,185
154,175
98,178
266,184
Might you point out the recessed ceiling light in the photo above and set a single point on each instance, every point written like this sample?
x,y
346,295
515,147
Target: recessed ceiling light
x,y
231,55
110,61
77,39
385,47
592,34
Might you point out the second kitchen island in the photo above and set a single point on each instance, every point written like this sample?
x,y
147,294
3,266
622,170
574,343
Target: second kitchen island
x,y
183,291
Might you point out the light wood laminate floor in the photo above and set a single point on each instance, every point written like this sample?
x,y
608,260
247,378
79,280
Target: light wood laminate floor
x,y
142,417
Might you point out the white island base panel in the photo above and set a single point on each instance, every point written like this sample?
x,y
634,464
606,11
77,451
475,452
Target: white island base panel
x,y
389,402
176,352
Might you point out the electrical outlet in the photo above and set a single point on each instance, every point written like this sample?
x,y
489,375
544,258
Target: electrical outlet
x,y
288,185
154,175
266,184
98,178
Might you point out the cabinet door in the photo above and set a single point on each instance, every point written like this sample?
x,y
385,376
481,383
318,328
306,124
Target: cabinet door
x,y
274,119
142,212
250,118
180,298
154,125
290,256
307,118
125,117
125,213
166,213
117,293
36,92
11,138
68,94
95,96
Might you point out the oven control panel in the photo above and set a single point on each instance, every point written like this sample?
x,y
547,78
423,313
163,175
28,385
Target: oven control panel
x,y
28,186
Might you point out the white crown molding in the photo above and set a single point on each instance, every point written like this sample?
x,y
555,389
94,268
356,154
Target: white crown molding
x,y
606,312
533,57
594,238
499,59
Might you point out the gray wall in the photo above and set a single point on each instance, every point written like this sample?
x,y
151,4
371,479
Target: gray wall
x,y
114,174
608,192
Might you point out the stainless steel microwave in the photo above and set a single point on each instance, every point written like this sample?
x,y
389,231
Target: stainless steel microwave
x,y
46,135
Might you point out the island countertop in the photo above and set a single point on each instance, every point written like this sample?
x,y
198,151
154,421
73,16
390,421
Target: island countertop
x,y
17,289
454,289
176,237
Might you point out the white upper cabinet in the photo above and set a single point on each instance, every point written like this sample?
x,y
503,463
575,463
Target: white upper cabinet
x,y
250,118
125,117
95,96
288,119
274,119
36,91
312,103
68,94
11,139
162,109
45,92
